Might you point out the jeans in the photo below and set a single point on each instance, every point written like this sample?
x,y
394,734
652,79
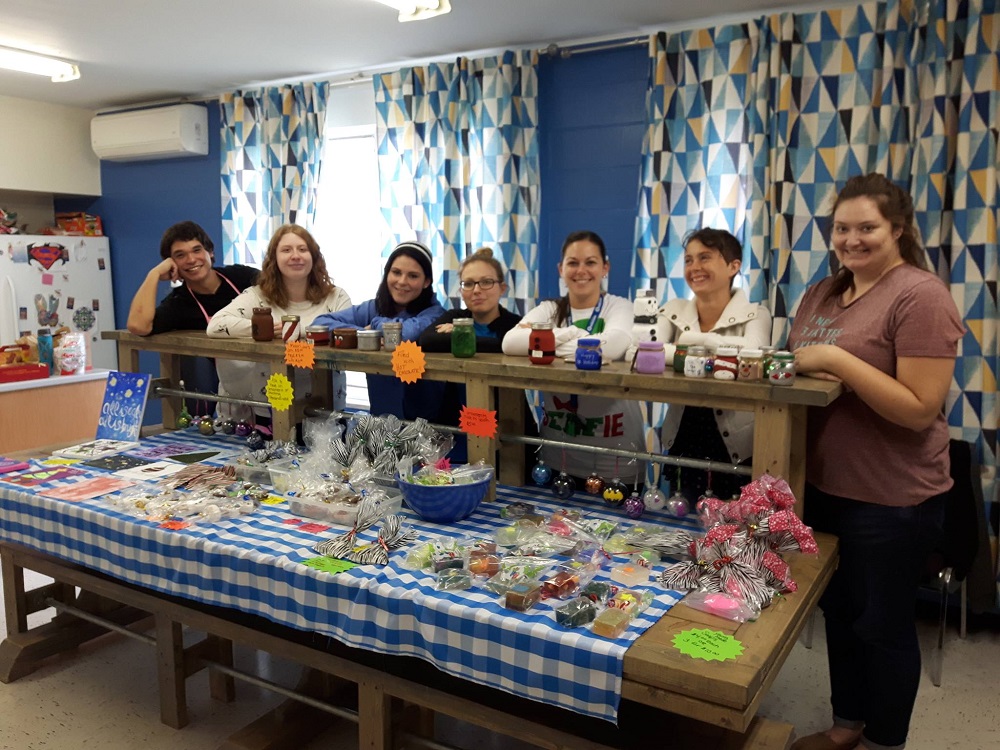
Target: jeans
x,y
869,607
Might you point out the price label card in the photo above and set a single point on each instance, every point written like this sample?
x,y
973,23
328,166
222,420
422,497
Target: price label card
x,y
709,645
300,354
279,391
408,362
478,422
329,564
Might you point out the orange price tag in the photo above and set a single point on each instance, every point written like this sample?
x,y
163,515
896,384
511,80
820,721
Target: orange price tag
x,y
478,422
300,354
174,525
408,362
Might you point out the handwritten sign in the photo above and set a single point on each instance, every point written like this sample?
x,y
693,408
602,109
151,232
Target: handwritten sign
x,y
478,422
300,354
408,362
709,645
329,564
279,391
123,407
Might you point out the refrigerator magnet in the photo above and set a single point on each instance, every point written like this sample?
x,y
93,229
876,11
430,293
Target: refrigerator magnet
x,y
70,302
101,265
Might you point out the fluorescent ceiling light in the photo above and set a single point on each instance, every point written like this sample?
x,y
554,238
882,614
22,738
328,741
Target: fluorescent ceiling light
x,y
418,10
29,62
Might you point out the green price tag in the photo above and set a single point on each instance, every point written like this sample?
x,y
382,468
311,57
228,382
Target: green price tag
x,y
710,645
272,500
329,564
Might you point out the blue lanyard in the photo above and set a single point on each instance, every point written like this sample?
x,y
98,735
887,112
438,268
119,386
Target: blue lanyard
x,y
594,316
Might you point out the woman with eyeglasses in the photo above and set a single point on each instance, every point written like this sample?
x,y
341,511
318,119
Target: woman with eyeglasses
x,y
482,283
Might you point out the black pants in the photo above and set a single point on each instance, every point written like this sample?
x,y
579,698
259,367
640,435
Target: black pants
x,y
870,605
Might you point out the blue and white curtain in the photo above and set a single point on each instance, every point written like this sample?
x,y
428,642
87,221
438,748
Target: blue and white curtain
x,y
769,118
272,145
459,165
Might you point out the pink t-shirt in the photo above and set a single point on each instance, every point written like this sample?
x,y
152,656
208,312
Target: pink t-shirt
x,y
852,451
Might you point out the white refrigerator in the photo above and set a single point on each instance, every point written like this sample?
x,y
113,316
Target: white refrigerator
x,y
53,281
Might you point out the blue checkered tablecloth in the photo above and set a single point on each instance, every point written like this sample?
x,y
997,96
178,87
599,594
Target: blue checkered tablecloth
x,y
255,564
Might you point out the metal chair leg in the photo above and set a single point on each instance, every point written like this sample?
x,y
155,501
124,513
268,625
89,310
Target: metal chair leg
x,y
944,582
964,598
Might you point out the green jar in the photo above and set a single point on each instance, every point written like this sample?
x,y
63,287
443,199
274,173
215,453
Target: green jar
x,y
463,337
680,354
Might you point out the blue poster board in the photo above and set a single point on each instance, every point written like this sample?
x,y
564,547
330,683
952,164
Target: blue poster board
x,y
123,406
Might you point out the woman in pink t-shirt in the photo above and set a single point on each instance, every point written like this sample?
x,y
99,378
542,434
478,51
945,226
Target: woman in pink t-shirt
x,y
877,463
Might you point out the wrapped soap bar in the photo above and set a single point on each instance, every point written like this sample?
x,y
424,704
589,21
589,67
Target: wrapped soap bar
x,y
599,592
443,560
454,579
516,510
523,596
611,623
576,612
482,563
629,574
508,536
561,585
631,601
645,557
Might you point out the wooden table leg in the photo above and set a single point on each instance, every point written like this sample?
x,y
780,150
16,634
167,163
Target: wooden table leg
x,y
13,595
170,368
222,687
511,422
283,422
374,717
479,394
170,672
779,445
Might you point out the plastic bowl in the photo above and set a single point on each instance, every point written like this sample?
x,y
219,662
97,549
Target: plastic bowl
x,y
444,503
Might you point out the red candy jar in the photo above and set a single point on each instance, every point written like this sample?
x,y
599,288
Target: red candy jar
x,y
541,344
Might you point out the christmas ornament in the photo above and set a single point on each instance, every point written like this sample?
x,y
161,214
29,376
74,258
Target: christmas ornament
x,y
255,440
205,426
634,507
654,499
615,492
563,486
541,473
184,418
677,505
594,484
243,428
227,426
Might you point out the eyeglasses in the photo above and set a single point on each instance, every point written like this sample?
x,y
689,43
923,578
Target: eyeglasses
x,y
484,284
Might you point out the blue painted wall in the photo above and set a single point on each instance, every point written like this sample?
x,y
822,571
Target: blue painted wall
x,y
591,122
139,201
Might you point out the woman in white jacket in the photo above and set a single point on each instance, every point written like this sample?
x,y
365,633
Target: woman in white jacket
x,y
586,312
717,316
292,281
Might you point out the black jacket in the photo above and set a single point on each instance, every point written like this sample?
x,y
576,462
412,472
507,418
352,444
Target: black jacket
x,y
432,341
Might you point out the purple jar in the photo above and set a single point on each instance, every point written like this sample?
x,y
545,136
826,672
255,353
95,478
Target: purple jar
x,y
650,358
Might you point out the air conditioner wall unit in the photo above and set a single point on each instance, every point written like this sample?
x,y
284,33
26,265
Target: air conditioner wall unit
x,y
160,133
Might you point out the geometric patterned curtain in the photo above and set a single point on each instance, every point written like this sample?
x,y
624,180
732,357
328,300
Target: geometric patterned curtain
x,y
272,146
459,166
909,89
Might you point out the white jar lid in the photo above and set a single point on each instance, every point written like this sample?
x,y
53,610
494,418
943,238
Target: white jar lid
x,y
726,351
751,353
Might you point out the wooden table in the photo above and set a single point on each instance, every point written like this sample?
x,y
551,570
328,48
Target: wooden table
x,y
779,411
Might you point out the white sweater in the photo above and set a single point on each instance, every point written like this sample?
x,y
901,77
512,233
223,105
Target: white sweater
x,y
590,420
247,379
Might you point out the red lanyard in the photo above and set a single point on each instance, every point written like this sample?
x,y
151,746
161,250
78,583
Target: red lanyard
x,y
204,312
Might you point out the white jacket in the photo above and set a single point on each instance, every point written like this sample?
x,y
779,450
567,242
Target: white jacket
x,y
742,324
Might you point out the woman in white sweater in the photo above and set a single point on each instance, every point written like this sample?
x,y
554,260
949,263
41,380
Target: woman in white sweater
x,y
717,316
292,281
586,312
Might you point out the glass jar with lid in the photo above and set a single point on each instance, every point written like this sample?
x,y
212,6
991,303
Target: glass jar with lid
x,y
751,362
290,328
463,337
262,324
650,359
781,370
392,335
680,354
541,344
588,354
694,362
724,363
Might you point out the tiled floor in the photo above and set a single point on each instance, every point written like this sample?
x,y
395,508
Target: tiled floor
x,y
104,696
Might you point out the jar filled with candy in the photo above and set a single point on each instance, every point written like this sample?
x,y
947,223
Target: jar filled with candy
x,y
463,337
694,362
541,344
781,370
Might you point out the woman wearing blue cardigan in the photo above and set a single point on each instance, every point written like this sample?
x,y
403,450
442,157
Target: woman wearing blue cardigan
x,y
404,296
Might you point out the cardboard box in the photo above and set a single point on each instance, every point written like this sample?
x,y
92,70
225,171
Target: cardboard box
x,y
80,223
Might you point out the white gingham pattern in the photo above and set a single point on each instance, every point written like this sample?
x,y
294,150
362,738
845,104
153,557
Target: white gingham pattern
x,y
254,564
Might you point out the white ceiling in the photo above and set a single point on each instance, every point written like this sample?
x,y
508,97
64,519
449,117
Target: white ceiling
x,y
138,51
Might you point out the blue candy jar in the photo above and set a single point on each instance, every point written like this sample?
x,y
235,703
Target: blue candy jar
x,y
588,354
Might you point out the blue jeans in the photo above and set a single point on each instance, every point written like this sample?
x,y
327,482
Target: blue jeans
x,y
870,605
